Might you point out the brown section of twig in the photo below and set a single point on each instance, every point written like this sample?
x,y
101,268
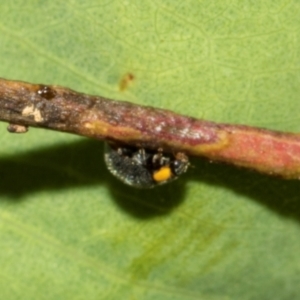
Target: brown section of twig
x,y
54,107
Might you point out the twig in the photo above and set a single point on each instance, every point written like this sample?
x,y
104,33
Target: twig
x,y
58,108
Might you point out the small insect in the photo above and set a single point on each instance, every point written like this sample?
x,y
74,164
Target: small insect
x,y
46,92
144,168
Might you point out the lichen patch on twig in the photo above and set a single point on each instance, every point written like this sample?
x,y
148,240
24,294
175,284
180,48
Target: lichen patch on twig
x,y
33,111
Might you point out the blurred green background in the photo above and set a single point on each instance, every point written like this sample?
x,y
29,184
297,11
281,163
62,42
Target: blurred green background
x,y
69,230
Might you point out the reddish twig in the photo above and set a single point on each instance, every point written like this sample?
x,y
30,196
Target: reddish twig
x,y
58,108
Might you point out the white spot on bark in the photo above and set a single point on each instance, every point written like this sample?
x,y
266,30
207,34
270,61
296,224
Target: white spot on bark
x,y
32,111
158,128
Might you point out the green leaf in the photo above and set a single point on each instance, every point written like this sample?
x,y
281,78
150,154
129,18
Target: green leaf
x,y
69,230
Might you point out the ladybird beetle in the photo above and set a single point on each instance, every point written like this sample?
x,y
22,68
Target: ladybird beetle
x,y
144,168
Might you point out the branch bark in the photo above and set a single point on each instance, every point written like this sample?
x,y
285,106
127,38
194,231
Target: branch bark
x,y
58,108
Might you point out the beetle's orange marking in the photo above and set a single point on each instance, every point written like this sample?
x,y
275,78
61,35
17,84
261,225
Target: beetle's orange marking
x,y
162,174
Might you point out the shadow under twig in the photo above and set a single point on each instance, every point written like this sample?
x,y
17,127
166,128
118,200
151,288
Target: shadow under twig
x,y
81,164
280,195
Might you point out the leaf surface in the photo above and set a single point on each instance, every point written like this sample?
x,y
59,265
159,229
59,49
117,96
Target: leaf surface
x,y
68,230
